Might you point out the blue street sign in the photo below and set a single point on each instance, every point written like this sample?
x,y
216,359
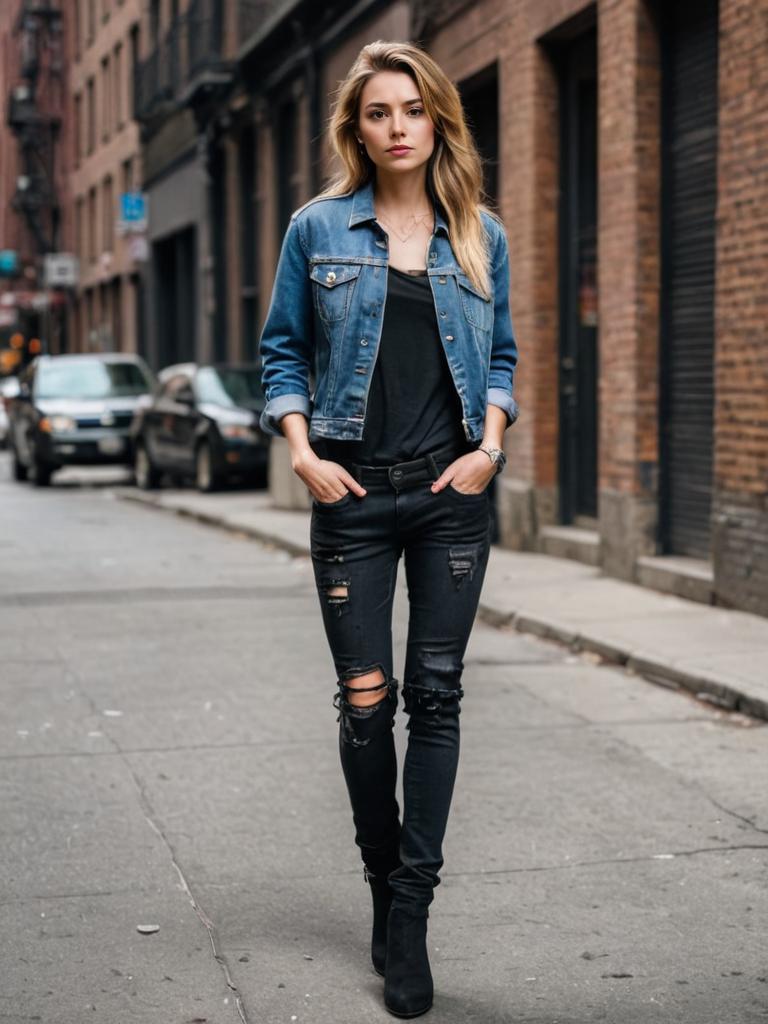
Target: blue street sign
x,y
133,208
9,262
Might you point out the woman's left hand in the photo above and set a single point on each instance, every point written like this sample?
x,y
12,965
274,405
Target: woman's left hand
x,y
469,474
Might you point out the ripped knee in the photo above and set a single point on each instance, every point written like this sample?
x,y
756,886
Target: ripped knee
x,y
366,688
434,692
366,701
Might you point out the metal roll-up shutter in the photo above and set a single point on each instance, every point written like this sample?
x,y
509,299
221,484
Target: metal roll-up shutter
x,y
688,273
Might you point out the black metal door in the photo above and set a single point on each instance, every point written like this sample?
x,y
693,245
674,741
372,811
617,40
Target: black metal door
x,y
689,134
578,280
174,262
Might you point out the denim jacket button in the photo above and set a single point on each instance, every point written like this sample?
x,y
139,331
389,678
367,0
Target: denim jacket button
x,y
363,341
449,337
330,277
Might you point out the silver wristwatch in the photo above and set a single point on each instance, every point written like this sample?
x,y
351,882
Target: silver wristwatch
x,y
496,455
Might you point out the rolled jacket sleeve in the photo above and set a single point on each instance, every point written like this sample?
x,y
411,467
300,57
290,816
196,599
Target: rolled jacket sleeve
x,y
501,377
286,347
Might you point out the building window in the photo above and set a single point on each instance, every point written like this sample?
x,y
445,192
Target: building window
x,y
91,21
92,225
77,140
108,214
127,172
78,29
106,101
79,215
132,69
118,85
90,113
154,23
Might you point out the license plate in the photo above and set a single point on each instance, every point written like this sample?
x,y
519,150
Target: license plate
x,y
110,445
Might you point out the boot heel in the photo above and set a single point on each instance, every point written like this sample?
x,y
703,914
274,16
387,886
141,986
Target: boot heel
x,y
382,900
408,987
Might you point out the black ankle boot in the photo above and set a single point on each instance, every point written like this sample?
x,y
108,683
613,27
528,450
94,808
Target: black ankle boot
x,y
382,900
408,988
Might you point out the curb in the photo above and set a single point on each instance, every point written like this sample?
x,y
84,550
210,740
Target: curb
x,y
701,685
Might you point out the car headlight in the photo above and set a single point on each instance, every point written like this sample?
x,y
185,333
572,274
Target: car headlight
x,y
235,431
57,424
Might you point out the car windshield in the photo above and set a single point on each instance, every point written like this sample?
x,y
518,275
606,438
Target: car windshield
x,y
230,387
90,379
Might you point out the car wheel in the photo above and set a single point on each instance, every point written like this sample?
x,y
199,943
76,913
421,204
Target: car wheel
x,y
147,476
205,478
19,469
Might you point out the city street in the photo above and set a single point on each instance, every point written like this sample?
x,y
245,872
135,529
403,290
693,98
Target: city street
x,y
169,759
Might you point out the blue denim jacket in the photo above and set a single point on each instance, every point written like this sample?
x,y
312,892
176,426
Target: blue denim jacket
x,y
326,315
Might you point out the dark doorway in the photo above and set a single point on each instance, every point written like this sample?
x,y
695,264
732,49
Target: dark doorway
x,y
137,286
288,180
218,173
480,96
689,195
578,279
176,302
249,212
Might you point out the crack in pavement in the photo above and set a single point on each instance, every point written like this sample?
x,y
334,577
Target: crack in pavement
x,y
735,814
203,917
646,858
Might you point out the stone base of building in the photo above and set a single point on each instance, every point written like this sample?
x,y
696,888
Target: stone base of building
x,y
522,510
628,526
740,552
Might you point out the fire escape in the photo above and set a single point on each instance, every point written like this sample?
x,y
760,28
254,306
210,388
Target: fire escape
x,y
34,119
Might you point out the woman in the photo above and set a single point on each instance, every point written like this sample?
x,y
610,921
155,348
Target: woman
x,y
392,289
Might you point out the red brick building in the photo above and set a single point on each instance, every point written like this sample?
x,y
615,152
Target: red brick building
x,y
33,178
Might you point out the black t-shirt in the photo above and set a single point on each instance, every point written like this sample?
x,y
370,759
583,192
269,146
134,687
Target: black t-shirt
x,y
412,405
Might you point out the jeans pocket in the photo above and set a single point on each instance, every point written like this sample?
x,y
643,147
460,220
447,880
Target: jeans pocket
x,y
464,495
329,505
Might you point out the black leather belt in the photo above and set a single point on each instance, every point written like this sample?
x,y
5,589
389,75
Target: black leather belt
x,y
404,474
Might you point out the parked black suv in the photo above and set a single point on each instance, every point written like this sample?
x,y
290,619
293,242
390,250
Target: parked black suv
x,y
202,423
75,410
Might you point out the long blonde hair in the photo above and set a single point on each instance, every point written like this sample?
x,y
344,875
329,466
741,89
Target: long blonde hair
x,y
454,171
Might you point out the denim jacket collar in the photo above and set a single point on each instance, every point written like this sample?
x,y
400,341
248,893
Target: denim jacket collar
x,y
363,209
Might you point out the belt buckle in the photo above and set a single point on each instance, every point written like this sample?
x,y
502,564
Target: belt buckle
x,y
397,476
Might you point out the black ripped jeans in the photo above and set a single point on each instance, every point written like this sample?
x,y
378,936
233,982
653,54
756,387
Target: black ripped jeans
x,y
356,546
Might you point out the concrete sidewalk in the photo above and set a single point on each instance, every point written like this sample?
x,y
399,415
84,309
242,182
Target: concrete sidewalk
x,y
717,654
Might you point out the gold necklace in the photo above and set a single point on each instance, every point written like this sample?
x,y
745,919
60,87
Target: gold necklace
x,y
414,220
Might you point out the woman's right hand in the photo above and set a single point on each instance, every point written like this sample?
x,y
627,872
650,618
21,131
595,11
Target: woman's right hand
x,y
327,481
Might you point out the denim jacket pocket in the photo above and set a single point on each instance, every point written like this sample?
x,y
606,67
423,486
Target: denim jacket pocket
x,y
333,284
477,308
